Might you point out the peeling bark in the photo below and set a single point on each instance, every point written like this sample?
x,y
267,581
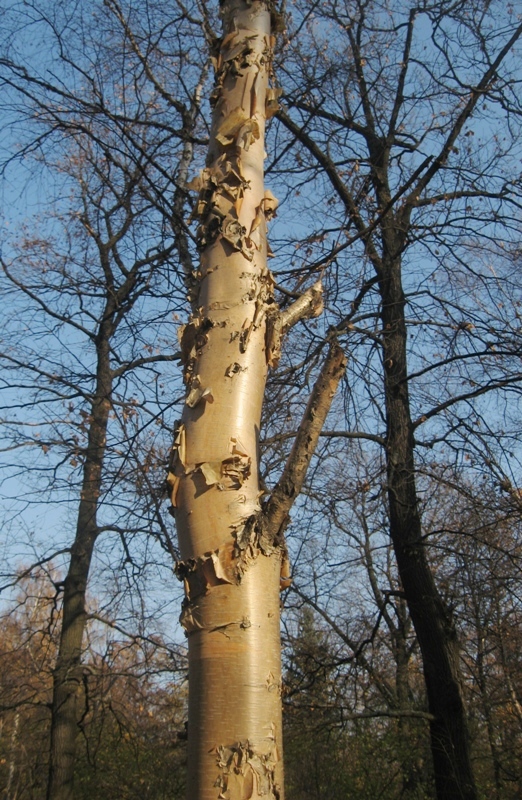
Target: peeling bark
x,y
231,608
234,560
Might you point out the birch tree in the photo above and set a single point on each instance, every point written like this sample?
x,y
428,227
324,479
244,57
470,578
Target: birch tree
x,y
231,541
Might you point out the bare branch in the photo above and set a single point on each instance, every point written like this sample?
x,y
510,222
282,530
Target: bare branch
x,y
277,508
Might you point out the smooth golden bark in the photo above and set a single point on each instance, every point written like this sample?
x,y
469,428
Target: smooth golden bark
x,y
232,550
231,610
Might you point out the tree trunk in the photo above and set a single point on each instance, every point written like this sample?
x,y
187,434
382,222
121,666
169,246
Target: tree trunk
x,y
432,621
67,677
231,610
13,745
411,760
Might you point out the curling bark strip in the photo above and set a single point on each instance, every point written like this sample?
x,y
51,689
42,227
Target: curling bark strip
x,y
231,609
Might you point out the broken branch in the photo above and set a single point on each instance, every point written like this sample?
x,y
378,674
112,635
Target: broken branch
x,y
309,304
278,506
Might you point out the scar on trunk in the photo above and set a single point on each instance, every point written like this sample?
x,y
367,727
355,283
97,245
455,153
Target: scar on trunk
x,y
254,537
192,339
273,684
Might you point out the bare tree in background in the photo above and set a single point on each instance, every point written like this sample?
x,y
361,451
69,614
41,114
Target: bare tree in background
x,y
405,121
92,295
131,704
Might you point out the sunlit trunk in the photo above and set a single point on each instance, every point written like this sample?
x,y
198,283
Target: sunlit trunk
x,y
231,610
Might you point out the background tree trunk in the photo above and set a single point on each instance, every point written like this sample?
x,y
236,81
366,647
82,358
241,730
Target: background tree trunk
x,y
432,620
67,677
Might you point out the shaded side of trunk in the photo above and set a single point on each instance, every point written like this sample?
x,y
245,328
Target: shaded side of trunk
x,y
231,609
67,676
432,621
